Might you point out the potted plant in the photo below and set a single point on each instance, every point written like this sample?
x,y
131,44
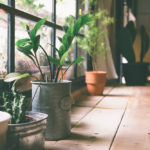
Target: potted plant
x,y
94,43
135,73
26,130
52,96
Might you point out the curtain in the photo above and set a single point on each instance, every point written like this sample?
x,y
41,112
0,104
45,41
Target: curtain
x,y
104,61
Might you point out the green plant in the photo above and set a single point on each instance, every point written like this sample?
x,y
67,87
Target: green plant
x,y
13,101
94,38
29,46
126,38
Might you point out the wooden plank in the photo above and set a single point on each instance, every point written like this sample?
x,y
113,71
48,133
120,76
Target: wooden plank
x,y
134,132
94,126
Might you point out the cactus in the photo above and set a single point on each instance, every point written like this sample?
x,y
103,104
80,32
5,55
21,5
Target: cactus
x,y
126,39
144,42
13,101
125,44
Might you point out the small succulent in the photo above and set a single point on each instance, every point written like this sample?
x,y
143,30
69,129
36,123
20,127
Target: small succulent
x,y
13,101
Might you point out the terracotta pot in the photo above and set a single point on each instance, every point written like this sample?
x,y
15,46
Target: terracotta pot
x,y
95,81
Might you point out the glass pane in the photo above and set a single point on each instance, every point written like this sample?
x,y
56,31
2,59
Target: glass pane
x,y
3,43
70,58
64,8
3,1
40,8
23,63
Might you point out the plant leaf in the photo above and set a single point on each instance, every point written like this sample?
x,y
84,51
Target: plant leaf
x,y
72,32
60,39
64,57
22,42
11,77
23,76
36,28
36,43
54,60
78,60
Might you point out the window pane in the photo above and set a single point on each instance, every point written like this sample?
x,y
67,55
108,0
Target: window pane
x,y
64,8
3,43
40,8
23,63
3,1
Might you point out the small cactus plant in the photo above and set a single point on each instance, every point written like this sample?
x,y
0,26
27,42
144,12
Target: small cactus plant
x,y
13,101
126,39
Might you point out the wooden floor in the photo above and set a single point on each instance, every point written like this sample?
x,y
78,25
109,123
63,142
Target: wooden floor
x,y
118,120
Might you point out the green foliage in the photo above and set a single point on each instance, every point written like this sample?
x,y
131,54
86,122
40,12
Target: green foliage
x,y
126,39
14,102
29,46
94,38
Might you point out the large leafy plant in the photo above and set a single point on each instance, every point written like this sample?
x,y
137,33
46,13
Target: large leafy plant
x,y
30,46
13,101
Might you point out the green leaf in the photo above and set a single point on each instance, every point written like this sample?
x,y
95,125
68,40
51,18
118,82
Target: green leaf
x,y
60,39
72,32
36,43
23,76
64,57
11,77
54,60
22,42
78,60
65,28
36,28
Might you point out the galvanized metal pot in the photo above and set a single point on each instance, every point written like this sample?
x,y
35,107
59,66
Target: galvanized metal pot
x,y
27,136
55,100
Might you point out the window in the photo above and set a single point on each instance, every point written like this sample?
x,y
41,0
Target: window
x,y
12,25
3,43
64,8
40,8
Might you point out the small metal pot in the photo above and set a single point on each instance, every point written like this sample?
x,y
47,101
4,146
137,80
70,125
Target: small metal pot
x,y
27,136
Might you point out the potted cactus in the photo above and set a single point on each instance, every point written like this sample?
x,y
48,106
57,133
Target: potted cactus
x,y
22,122
52,96
135,73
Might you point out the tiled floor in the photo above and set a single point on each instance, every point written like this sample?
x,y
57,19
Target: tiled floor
x,y
118,120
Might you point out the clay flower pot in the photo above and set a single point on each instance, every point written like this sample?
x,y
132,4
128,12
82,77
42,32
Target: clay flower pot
x,y
95,81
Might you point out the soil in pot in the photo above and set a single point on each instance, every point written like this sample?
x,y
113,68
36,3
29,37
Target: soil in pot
x,y
95,81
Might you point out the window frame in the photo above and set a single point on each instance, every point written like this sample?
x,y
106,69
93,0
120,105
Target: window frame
x,y
13,12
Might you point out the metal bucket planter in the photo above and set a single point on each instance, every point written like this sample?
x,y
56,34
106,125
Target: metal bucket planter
x,y
27,136
4,119
55,100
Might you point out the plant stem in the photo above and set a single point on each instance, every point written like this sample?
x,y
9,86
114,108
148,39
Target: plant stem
x,y
66,70
57,73
50,69
38,65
